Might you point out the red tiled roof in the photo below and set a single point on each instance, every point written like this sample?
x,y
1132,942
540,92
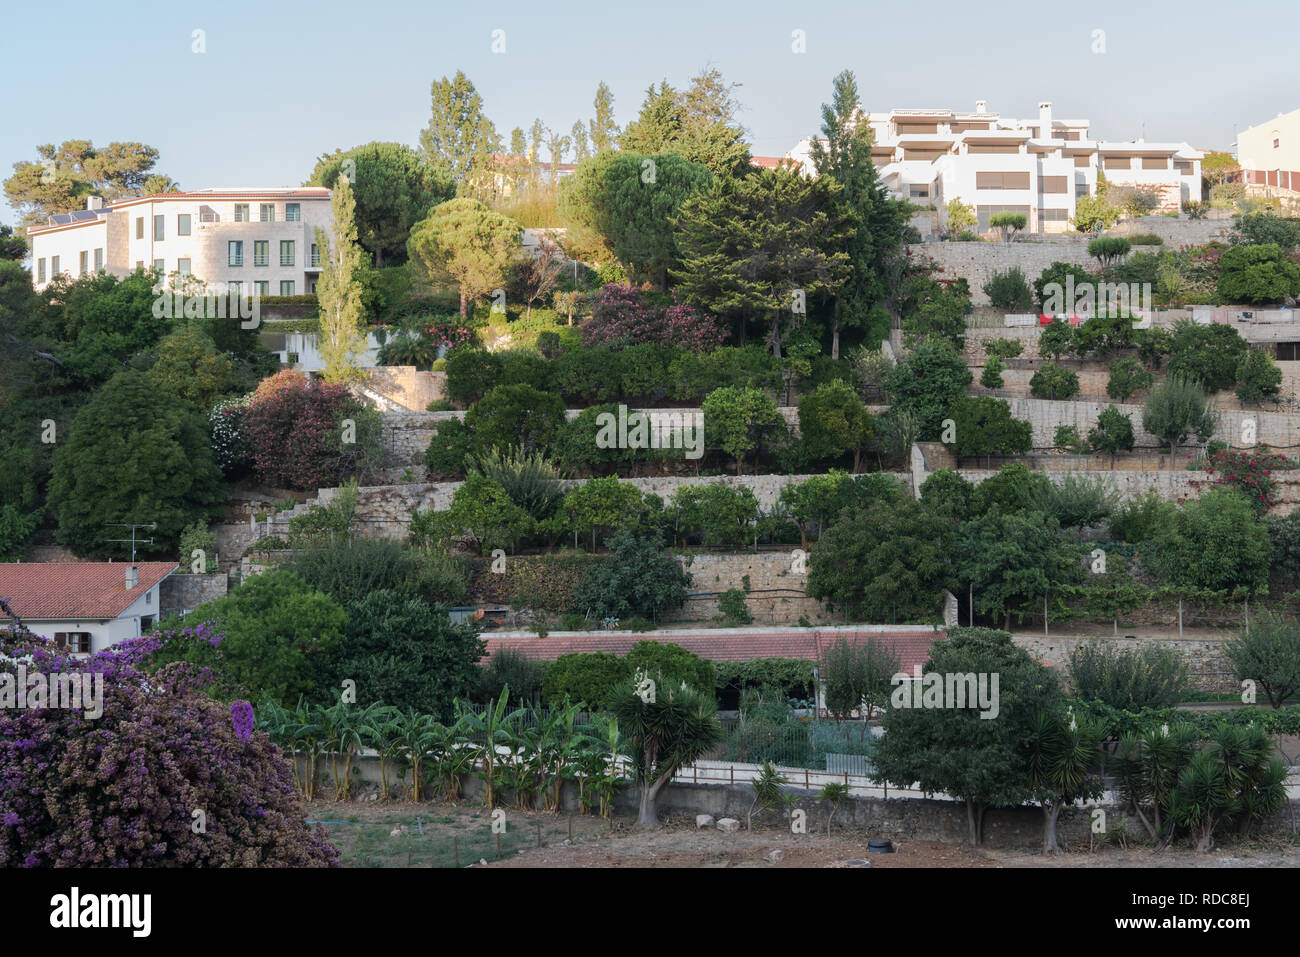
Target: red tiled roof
x,y
75,590
911,646
771,162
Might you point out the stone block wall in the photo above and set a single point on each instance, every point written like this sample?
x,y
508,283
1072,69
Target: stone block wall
x,y
179,593
777,589
1208,667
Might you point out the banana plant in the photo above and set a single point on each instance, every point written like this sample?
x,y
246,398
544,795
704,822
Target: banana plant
x,y
488,728
305,732
378,730
417,734
453,759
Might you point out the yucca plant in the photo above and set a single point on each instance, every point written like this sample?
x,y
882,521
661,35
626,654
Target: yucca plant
x,y
531,480
832,794
1148,767
767,791
1234,778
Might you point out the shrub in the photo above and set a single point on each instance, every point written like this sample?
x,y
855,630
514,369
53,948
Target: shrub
x,y
1010,290
1209,355
641,580
991,377
1057,277
1251,472
197,536
673,663
481,510
531,481
470,373
1113,432
1067,437
731,603
1054,382
1003,348
1258,377
984,426
1257,274
1268,653
1140,519
350,569
1146,239
295,430
1108,249
134,776
1009,223
449,449
515,416
1152,676
590,677
510,668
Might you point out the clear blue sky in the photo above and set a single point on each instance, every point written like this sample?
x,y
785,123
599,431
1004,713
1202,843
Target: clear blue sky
x,y
282,82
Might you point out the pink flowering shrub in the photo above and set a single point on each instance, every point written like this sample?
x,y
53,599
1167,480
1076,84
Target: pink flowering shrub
x,y
120,790
1250,471
293,431
622,317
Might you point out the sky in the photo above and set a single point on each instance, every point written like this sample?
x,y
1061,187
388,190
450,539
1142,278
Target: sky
x,y
281,82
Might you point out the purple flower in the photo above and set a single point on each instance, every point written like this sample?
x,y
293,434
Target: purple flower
x,y
241,713
11,819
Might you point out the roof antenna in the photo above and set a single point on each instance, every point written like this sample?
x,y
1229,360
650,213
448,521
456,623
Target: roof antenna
x,y
144,541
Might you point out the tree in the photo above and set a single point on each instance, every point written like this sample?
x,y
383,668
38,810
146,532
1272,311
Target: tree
x,y
1009,223
12,247
927,382
179,750
515,416
1065,761
833,421
1013,489
641,580
674,664
953,749
1217,166
1258,377
1268,653
991,377
482,510
339,291
1257,274
887,559
133,455
959,218
394,188
1175,409
1052,381
946,492
465,242
636,204
1094,214
1010,290
1054,281
1108,250
984,426
1235,779
1014,561
578,135
1131,679
938,312
459,138
1216,542
736,419
722,514
603,129
856,676
602,503
61,179
698,124
582,201
405,653
879,220
1209,355
559,147
190,368
1113,432
664,731
1127,376
764,245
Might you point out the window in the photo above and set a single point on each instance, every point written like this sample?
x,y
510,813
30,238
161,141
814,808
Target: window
x,y
1002,181
146,622
312,290
315,255
268,212
183,267
241,212
159,229
983,213
54,266
1082,161
261,252
292,212
99,260
1053,215
235,288
916,192
286,287
235,253
1277,141
1055,184
183,224
139,227
1119,162
40,270
1155,162
262,288
160,266
977,149
286,252
77,642
1081,189
82,259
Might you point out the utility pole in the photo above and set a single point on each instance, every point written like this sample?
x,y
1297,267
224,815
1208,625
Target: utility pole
x,y
144,541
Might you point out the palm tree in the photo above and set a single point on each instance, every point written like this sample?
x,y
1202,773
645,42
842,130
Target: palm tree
x,y
832,794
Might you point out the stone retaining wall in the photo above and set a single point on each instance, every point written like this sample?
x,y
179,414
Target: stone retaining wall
x,y
179,593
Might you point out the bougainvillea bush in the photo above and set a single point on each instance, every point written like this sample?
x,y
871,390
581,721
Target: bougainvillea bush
x,y
1250,471
225,422
624,316
121,790
295,432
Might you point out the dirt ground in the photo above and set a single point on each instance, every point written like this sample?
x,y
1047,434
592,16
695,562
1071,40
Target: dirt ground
x,y
446,835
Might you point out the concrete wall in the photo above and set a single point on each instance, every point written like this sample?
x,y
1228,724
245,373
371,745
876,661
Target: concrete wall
x,y
181,593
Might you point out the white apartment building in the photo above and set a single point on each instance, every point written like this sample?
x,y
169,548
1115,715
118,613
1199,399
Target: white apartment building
x,y
995,164
1269,153
246,241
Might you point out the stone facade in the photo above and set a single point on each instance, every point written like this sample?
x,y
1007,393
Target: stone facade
x,y
179,593
1208,667
776,588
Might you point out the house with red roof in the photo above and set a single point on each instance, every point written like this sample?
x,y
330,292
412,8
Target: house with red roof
x,y
84,606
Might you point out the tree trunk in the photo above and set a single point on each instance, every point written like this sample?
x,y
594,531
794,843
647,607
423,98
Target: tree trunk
x,y
379,259
464,304
857,457
1051,812
648,815
972,824
835,339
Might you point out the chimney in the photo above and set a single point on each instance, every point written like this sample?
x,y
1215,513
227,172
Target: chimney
x,y
94,202
1045,120
132,577
981,106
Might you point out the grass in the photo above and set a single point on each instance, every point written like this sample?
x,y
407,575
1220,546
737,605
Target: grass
x,y
428,841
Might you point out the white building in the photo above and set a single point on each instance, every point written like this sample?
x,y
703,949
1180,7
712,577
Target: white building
x,y
1037,167
249,241
1269,153
84,606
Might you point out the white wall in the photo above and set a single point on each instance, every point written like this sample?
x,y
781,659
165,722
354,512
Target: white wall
x,y
68,243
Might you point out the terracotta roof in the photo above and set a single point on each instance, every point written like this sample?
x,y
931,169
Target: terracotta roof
x,y
729,644
78,591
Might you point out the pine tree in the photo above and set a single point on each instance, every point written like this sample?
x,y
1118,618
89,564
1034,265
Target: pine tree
x,y
459,136
339,290
881,221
